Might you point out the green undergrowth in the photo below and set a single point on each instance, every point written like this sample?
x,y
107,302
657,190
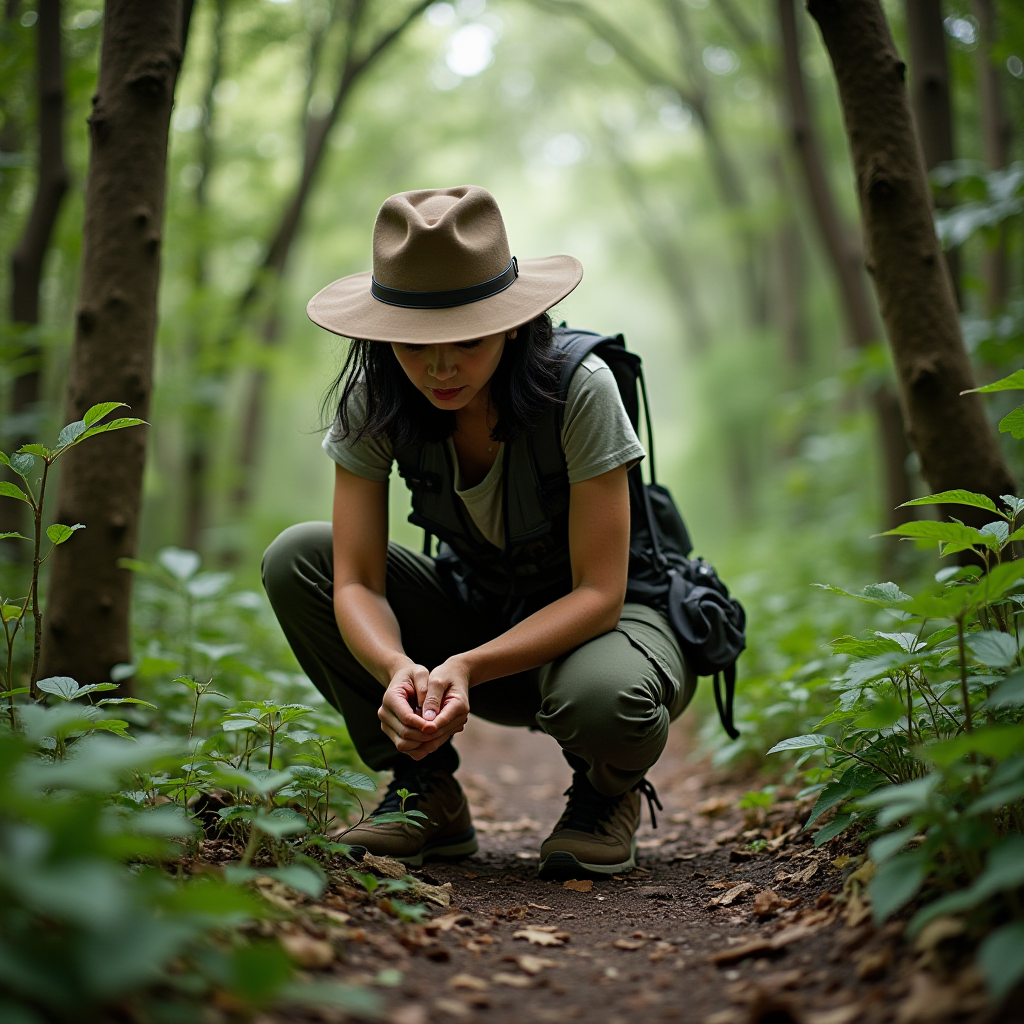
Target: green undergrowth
x,y
133,825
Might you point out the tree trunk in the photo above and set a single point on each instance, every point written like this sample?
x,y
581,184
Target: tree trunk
x,y
846,258
997,133
930,100
201,411
949,431
27,258
87,622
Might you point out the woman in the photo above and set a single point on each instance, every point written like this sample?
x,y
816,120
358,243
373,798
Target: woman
x,y
454,376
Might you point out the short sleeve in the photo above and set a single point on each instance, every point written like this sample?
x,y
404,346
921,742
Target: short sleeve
x,y
597,436
370,458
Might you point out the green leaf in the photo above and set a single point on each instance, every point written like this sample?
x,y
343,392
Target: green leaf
x,y
840,823
952,533
22,463
115,725
992,647
1001,959
282,821
995,741
1013,423
58,533
896,883
70,433
97,412
35,449
125,700
103,428
849,783
353,1000
887,594
16,536
9,490
1009,693
883,713
300,877
956,497
238,724
60,686
903,800
17,691
181,564
805,742
889,845
356,780
1015,382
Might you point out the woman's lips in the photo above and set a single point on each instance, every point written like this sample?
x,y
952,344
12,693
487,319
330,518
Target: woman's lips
x,y
445,394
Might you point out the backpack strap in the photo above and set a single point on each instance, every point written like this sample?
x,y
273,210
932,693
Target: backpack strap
x,y
725,713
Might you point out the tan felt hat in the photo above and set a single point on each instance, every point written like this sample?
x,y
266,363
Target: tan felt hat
x,y
442,272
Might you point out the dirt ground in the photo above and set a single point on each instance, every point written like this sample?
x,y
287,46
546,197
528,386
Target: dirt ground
x,y
705,931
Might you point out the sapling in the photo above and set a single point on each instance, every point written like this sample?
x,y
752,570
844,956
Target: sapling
x,y
22,462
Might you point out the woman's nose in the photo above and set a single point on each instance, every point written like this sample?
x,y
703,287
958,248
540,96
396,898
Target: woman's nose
x,y
442,368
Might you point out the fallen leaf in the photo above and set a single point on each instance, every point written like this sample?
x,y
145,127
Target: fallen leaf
x,y
858,910
936,932
337,916
410,1013
506,827
630,943
840,1015
769,902
579,885
713,806
309,953
740,952
721,838
733,894
469,982
533,965
871,966
540,906
452,1008
803,877
516,913
542,936
439,894
512,980
448,922
386,866
528,855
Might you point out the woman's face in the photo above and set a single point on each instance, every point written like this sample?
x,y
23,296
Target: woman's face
x,y
451,375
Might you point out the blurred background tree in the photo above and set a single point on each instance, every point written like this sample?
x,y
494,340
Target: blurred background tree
x,y
691,153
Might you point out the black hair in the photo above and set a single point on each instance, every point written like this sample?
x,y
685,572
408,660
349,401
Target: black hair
x,y
524,383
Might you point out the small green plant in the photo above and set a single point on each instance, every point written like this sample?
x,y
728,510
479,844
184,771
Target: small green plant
x,y
14,611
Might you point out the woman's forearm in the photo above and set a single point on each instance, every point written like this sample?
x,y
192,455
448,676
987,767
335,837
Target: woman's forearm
x,y
552,631
370,630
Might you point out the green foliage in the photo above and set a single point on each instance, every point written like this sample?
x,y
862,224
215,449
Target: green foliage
x,y
922,748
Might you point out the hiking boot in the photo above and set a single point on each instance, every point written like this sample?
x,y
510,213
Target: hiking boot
x,y
596,835
447,828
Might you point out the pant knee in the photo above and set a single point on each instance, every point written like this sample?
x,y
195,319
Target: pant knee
x,y
295,556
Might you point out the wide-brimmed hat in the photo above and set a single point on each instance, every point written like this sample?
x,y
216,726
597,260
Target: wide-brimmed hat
x,y
442,272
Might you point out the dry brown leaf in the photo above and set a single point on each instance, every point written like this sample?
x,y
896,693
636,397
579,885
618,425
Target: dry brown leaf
x,y
337,916
871,966
579,884
721,838
768,902
936,932
386,866
630,943
713,806
309,953
452,1008
448,922
533,965
512,980
469,982
540,906
507,827
542,936
438,894
410,1013
733,894
858,910
803,877
839,1015
740,952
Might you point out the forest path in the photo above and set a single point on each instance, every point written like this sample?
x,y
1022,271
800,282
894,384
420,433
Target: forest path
x,y
640,948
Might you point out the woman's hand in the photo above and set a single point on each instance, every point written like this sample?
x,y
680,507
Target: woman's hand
x,y
422,710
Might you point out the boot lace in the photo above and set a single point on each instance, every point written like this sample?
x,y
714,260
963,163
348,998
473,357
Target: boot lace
x,y
586,809
645,789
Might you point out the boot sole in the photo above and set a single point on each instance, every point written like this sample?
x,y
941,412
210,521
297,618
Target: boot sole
x,y
561,865
451,848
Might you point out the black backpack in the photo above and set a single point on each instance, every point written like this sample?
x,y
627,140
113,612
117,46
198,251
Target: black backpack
x,y
708,623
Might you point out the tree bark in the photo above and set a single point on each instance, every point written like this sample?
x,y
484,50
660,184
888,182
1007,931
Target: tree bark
x,y
949,431
87,623
201,411
997,133
847,261
27,258
930,100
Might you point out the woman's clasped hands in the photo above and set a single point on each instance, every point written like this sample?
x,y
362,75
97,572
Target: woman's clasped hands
x,y
423,709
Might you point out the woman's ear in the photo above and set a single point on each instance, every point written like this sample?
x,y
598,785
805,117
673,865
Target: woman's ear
x,y
511,335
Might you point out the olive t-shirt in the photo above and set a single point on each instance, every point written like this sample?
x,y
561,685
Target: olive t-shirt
x,y
597,437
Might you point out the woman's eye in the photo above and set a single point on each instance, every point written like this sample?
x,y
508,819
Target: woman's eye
x,y
468,346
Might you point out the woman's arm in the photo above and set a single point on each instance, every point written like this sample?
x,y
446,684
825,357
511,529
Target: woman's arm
x,y
599,552
365,619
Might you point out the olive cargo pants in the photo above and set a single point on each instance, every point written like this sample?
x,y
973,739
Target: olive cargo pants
x,y
608,703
